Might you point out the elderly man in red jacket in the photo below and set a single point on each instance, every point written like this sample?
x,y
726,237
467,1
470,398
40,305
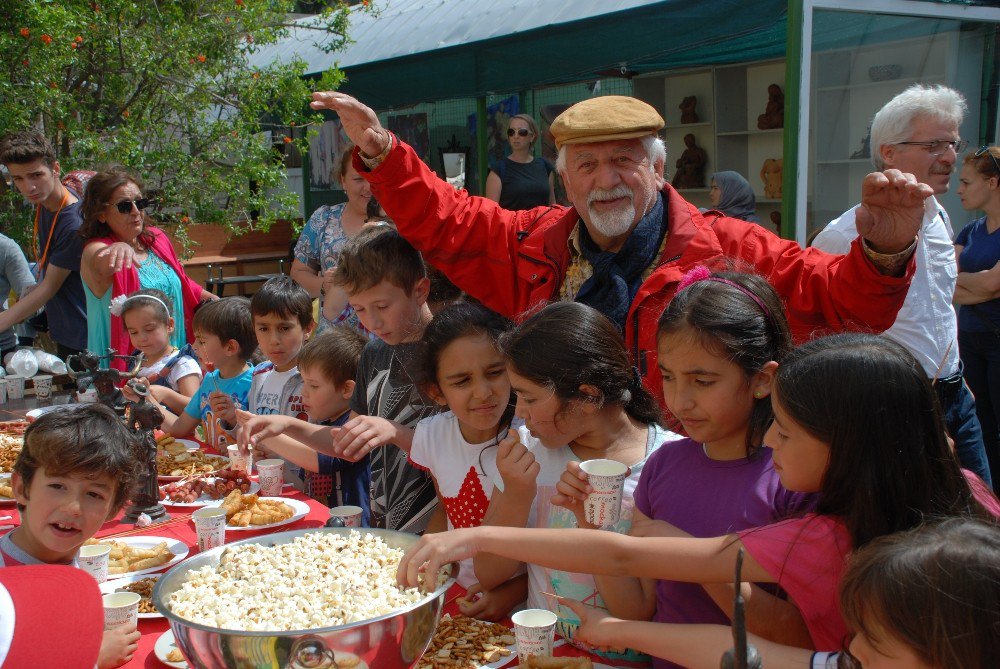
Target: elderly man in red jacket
x,y
629,236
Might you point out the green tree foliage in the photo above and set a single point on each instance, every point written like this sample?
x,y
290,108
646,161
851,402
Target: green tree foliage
x,y
165,89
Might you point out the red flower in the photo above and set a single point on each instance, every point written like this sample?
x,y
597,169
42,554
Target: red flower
x,y
53,84
25,33
201,58
126,113
239,3
46,38
79,38
185,219
26,62
73,45
287,139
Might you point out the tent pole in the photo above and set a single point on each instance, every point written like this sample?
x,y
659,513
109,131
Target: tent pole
x,y
793,92
482,160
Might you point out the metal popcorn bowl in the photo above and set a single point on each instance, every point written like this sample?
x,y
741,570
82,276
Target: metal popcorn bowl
x,y
393,641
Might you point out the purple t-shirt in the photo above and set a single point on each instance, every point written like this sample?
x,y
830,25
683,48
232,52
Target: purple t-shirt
x,y
707,498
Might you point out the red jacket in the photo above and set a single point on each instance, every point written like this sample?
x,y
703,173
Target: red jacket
x,y
513,261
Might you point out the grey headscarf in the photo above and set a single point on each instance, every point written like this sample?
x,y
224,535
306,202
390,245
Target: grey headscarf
x,y
736,198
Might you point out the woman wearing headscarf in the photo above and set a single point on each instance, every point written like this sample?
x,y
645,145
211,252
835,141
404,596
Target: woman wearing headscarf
x,y
733,195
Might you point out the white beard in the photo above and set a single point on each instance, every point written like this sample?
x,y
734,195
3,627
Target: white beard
x,y
612,223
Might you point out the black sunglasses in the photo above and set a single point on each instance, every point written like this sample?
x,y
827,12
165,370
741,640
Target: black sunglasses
x,y
125,206
984,150
523,132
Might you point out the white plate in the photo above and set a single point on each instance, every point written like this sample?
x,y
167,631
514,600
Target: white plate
x,y
299,511
33,415
112,586
6,501
164,645
178,548
171,479
202,500
189,444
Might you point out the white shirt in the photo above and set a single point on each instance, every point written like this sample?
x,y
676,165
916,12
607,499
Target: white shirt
x,y
926,323
185,366
270,397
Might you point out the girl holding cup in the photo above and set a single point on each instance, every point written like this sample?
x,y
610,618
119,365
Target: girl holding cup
x,y
580,399
719,343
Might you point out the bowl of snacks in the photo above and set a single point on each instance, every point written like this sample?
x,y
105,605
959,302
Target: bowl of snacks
x,y
306,598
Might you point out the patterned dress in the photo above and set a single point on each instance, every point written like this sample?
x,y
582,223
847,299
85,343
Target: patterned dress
x,y
318,248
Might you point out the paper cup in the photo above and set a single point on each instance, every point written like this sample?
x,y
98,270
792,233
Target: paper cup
x,y
534,630
43,386
15,387
93,559
603,507
210,524
88,396
121,609
239,463
270,476
351,515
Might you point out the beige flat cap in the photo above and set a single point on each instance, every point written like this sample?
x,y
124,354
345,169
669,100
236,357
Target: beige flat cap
x,y
604,118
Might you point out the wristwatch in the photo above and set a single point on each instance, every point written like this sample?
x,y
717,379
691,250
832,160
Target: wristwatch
x,y
371,162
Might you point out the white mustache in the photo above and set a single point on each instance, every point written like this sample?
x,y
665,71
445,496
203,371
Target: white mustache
x,y
602,194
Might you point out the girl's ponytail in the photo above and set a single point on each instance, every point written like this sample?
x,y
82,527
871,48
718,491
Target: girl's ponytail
x,y
640,404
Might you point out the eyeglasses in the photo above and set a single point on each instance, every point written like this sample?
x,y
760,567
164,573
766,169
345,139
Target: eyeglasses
x,y
125,206
984,150
938,146
521,132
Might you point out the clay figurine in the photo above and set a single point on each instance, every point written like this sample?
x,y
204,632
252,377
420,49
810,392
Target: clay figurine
x,y
770,174
866,146
687,107
774,113
105,381
144,418
691,165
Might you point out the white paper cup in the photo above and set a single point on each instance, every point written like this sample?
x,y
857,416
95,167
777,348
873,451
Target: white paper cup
x,y
88,396
239,463
121,609
93,559
15,387
603,507
210,524
351,515
270,477
534,630
43,386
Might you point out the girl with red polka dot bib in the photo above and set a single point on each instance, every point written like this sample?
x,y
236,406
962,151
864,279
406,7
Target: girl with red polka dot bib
x,y
465,371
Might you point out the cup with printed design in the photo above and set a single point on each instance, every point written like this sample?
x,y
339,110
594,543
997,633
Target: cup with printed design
x,y
15,387
88,396
43,386
603,506
534,630
270,476
239,462
210,525
94,559
350,515
121,609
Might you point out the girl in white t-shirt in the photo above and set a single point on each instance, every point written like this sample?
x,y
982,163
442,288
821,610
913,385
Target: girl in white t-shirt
x,y
581,399
464,370
173,375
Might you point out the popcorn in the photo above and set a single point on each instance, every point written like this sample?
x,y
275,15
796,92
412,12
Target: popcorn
x,y
319,579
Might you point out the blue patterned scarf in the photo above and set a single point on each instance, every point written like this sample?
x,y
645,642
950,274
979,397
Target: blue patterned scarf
x,y
617,276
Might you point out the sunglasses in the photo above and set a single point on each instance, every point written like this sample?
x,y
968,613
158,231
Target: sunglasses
x,y
125,206
521,132
984,150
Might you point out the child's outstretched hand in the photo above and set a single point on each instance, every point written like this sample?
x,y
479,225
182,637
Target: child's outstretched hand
x,y
571,492
597,626
361,435
117,647
516,464
495,604
252,429
222,406
432,552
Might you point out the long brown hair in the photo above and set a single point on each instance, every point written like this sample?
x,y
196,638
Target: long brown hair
x,y
97,197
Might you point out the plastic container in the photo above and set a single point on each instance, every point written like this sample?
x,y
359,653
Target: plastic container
x,y
22,363
48,363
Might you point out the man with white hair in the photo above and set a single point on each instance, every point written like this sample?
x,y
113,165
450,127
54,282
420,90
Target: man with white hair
x,y
917,132
629,238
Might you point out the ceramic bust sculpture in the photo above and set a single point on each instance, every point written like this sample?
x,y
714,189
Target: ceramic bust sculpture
x,y
691,165
687,107
774,113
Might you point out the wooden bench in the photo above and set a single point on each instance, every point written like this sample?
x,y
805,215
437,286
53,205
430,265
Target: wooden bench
x,y
221,258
